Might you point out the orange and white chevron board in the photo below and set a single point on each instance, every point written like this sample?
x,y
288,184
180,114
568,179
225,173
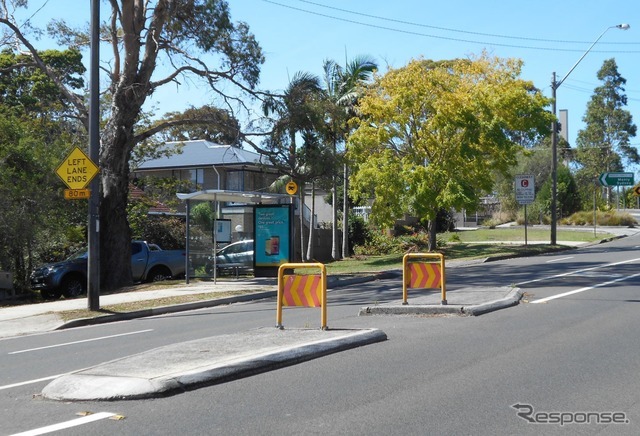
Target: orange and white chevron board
x,y
302,290
425,275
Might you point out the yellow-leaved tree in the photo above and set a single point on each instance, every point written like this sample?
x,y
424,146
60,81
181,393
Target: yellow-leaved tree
x,y
431,135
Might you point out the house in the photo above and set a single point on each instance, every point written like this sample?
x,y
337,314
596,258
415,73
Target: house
x,y
209,166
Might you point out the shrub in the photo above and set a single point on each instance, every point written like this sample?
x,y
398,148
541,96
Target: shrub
x,y
607,218
359,232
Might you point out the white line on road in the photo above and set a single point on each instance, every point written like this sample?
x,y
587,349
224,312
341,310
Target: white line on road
x,y
588,288
558,260
29,382
577,271
67,424
80,342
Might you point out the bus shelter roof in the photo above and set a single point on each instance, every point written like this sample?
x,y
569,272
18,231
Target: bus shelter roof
x,y
235,196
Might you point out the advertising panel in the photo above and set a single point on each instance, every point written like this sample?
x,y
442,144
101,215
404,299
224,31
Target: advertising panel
x,y
272,236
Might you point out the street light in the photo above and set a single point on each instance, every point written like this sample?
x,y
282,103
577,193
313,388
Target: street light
x,y
554,135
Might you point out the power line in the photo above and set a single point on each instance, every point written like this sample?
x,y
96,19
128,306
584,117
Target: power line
x,y
493,35
468,41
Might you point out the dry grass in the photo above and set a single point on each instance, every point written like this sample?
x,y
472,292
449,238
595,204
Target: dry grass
x,y
133,306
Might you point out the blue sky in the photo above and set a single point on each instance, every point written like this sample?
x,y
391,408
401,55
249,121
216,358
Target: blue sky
x,y
298,35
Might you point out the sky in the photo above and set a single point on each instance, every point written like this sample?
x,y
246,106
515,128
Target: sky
x,y
549,36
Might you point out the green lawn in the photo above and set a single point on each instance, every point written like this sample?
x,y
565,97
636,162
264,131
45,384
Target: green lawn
x,y
473,244
533,234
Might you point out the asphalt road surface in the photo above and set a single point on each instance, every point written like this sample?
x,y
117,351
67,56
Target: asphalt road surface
x,y
564,361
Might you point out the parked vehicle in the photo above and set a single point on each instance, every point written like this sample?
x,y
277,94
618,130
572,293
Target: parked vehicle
x,y
149,263
232,258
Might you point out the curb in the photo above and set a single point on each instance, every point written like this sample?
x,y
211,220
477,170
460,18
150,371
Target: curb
x,y
513,299
333,282
104,383
165,310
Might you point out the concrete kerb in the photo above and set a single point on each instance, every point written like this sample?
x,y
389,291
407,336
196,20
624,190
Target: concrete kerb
x,y
163,310
512,298
187,366
333,282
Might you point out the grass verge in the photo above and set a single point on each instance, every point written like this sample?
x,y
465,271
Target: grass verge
x,y
133,306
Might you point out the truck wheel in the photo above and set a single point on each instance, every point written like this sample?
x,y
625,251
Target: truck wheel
x,y
73,287
50,294
158,274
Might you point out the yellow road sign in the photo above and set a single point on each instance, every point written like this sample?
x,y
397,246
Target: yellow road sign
x,y
292,188
77,194
77,170
636,191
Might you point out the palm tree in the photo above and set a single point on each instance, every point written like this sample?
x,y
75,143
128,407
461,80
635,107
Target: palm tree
x,y
342,88
295,116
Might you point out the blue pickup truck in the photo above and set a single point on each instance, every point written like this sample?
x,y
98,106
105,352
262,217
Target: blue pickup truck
x,y
149,263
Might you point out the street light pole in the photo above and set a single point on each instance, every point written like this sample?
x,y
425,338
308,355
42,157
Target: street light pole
x,y
555,84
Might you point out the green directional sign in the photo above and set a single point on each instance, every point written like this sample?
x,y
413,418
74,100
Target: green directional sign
x,y
616,179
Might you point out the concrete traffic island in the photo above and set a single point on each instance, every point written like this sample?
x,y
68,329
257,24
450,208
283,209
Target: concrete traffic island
x,y
188,365
461,302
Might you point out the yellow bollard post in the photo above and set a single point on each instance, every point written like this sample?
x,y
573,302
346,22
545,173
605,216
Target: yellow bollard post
x,y
302,290
407,280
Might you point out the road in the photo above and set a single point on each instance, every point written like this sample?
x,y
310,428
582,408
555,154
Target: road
x,y
571,349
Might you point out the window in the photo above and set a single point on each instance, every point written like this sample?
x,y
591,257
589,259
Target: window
x,y
194,176
235,180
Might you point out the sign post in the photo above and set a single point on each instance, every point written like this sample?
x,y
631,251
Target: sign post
x,y
525,194
77,171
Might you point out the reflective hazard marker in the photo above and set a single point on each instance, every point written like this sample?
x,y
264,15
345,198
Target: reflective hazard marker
x,y
422,275
425,275
302,290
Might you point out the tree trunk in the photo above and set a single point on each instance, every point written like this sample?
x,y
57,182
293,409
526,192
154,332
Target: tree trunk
x,y
335,255
115,235
432,234
302,251
310,244
345,214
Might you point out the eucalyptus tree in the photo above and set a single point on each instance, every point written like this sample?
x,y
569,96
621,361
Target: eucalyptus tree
x,y
343,86
152,44
604,144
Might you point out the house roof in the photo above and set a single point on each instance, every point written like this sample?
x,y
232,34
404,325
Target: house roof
x,y
136,193
202,153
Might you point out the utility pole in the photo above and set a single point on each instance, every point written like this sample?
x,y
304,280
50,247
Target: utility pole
x,y
93,267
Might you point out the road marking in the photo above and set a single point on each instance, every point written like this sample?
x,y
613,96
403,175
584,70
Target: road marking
x,y
29,382
577,271
588,288
558,260
67,424
80,342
